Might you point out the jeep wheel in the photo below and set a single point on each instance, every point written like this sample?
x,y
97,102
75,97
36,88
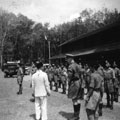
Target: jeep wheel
x,y
5,75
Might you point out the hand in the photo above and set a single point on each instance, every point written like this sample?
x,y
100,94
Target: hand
x,y
48,94
86,103
30,85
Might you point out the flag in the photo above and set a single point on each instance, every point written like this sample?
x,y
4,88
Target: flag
x,y
45,37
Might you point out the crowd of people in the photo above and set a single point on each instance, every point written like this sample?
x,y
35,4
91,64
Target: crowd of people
x,y
83,82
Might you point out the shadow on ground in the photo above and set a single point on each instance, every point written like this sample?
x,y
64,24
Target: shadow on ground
x,y
65,114
33,116
32,100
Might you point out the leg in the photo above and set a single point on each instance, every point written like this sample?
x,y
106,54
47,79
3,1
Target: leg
x,y
116,95
56,86
37,108
44,107
90,114
108,98
112,97
82,94
64,90
76,106
21,88
51,84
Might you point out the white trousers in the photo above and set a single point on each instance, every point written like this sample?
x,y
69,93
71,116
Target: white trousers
x,y
41,107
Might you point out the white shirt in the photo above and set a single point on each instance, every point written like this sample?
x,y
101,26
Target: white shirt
x,y
40,83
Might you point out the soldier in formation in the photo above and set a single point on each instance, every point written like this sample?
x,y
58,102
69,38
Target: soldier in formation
x,y
97,79
74,83
93,97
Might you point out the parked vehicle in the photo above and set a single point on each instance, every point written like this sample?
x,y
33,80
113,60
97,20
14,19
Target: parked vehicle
x,y
10,69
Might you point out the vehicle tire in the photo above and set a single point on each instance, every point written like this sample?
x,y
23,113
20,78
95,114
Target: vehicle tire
x,y
5,75
10,75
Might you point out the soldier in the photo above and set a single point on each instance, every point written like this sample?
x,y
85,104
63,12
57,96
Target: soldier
x,y
20,75
59,76
101,72
109,84
56,77
82,76
74,83
32,71
64,79
50,76
93,96
116,82
87,75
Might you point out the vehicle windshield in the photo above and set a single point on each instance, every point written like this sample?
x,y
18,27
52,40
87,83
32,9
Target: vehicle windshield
x,y
12,66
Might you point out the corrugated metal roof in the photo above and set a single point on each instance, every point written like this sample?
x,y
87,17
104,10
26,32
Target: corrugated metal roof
x,y
91,33
97,49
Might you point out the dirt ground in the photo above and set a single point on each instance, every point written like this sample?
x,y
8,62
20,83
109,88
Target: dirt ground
x,y
21,107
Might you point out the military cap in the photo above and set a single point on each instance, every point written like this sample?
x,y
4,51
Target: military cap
x,y
69,55
114,64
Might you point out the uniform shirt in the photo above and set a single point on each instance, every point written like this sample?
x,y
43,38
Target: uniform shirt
x,y
20,72
40,83
109,74
96,81
74,71
117,72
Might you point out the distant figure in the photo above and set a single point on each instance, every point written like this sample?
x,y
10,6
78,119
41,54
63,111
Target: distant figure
x,y
109,84
41,87
116,81
20,75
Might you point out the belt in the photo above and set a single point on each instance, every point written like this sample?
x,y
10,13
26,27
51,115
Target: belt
x,y
97,89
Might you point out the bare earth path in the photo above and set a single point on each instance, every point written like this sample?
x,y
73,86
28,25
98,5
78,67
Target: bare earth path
x,y
21,107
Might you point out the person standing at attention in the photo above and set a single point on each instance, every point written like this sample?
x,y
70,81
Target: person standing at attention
x,y
20,76
41,87
74,83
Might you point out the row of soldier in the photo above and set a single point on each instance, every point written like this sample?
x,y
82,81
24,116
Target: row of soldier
x,y
111,73
58,77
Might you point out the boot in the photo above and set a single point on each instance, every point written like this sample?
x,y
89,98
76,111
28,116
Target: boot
x,y
76,112
100,109
20,89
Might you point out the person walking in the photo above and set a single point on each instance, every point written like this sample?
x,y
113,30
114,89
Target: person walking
x,y
74,85
41,87
20,75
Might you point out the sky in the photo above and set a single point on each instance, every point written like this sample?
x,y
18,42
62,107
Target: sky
x,y
55,11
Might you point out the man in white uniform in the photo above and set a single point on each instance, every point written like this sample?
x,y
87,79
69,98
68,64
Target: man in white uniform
x,y
41,88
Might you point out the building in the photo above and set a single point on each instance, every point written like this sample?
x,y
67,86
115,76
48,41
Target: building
x,y
100,45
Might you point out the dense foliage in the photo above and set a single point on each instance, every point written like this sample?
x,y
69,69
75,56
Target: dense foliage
x,y
22,38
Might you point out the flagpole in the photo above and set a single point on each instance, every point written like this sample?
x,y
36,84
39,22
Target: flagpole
x,y
49,51
48,48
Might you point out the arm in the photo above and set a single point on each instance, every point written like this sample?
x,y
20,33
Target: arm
x,y
91,88
32,82
47,84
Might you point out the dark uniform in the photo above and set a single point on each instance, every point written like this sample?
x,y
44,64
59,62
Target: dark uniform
x,y
93,97
116,82
74,83
101,72
64,79
51,76
109,86
56,78
20,75
87,77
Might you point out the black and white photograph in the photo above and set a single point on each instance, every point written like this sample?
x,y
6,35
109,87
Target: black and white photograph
x,y
59,59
